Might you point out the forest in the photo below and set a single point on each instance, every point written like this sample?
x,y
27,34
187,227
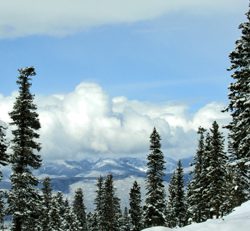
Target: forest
x,y
219,180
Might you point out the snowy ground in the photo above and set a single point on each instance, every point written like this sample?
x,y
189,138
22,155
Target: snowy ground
x,y
237,220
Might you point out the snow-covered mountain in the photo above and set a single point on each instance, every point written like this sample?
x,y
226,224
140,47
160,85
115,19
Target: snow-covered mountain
x,y
67,172
68,175
239,219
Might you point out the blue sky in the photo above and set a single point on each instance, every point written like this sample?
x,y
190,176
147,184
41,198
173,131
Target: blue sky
x,y
177,56
149,51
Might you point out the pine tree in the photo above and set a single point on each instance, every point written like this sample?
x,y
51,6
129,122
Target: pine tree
x,y
155,204
112,211
4,158
92,222
204,180
70,219
239,107
57,213
23,197
125,221
99,203
217,175
195,186
46,204
177,211
170,213
135,210
79,209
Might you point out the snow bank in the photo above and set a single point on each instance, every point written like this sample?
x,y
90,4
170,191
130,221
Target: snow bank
x,y
239,219
158,228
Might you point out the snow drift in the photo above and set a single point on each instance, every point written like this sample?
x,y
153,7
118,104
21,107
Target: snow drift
x,y
239,219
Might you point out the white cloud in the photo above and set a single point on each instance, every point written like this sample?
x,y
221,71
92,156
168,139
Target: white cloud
x,y
87,122
63,17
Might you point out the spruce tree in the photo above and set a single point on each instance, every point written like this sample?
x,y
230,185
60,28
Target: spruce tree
x,y
180,200
57,213
23,197
79,209
70,220
46,204
125,221
170,213
239,107
99,204
195,186
204,180
155,203
177,211
135,210
92,222
112,211
4,158
217,193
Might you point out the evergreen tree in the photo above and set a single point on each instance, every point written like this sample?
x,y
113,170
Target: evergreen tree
x,y
135,210
23,197
3,161
57,213
126,222
180,200
4,157
92,222
70,219
195,186
177,212
204,180
112,211
217,191
155,204
171,213
46,204
79,209
99,203
239,107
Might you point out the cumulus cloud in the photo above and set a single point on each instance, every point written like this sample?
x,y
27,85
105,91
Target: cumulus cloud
x,y
87,122
63,17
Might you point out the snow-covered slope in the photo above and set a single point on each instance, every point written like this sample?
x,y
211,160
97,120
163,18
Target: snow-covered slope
x,y
239,219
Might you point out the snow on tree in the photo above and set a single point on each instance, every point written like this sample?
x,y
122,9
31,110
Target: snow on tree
x,y
135,210
195,188
177,212
79,209
57,213
23,197
99,204
112,211
217,173
170,212
46,204
155,202
125,221
92,222
239,107
4,158
70,219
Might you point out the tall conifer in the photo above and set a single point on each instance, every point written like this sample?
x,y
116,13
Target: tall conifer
x,y
135,210
239,107
80,210
155,203
195,186
23,197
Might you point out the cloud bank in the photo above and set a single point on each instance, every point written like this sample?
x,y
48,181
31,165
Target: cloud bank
x,y
63,17
88,123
